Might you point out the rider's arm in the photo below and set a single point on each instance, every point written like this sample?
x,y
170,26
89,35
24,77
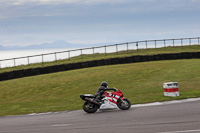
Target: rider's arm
x,y
111,89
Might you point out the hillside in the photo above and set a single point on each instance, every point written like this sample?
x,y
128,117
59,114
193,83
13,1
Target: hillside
x,y
140,82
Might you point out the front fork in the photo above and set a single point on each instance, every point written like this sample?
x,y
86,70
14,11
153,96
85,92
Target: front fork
x,y
124,103
122,100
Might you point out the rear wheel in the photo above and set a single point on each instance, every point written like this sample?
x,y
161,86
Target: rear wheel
x,y
90,107
124,104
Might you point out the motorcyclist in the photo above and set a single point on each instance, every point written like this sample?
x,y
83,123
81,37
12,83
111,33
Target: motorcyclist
x,y
101,90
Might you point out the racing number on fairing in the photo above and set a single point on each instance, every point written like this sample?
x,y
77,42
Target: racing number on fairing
x,y
113,96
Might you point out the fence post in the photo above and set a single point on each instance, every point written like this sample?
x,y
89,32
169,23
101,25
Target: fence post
x,y
55,57
42,59
14,62
190,40
137,45
105,50
69,55
198,40
164,43
173,42
28,59
181,41
146,44
127,47
81,53
116,49
93,50
155,44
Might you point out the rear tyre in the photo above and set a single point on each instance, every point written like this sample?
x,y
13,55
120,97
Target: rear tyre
x,y
124,104
90,107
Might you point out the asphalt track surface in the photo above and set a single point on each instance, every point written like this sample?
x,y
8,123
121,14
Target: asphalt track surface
x,y
165,118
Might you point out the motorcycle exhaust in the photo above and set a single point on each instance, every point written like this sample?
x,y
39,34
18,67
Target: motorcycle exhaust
x,y
92,101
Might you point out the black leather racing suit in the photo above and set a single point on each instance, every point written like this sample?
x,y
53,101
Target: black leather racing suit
x,y
101,91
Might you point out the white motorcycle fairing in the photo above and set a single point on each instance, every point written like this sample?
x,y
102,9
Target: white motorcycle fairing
x,y
107,104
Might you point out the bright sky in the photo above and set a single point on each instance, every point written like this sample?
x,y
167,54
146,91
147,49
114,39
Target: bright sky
x,y
28,22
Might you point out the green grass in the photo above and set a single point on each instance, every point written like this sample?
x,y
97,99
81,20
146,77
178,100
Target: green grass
x,y
140,83
82,58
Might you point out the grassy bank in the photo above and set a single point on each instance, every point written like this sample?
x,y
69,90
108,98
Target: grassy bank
x,y
82,58
140,83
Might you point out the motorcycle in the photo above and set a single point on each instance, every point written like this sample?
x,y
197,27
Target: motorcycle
x,y
110,100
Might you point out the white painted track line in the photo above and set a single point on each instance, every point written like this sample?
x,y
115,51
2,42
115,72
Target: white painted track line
x,y
61,125
168,102
186,131
137,105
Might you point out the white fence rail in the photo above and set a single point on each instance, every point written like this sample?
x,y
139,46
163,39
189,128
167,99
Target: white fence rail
x,y
41,58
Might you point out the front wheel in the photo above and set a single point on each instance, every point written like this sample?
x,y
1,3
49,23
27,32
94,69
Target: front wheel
x,y
123,104
90,107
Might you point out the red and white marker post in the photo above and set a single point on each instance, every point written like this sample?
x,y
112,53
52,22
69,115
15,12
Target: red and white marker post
x,y
171,89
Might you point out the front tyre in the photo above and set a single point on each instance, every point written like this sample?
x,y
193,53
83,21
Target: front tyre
x,y
90,107
123,104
